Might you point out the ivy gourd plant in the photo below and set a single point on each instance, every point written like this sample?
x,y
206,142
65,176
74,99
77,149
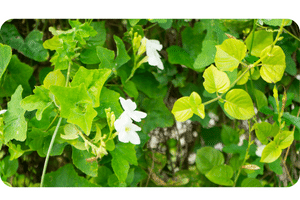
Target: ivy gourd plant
x,y
149,102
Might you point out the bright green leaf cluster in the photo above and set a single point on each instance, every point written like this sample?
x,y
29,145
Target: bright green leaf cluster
x,y
185,107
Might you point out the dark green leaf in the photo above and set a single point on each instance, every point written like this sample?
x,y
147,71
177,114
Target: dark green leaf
x,y
207,158
79,160
66,176
177,55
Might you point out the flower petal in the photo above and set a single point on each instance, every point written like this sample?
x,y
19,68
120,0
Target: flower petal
x,y
134,137
2,111
122,122
154,44
123,137
134,127
138,115
127,104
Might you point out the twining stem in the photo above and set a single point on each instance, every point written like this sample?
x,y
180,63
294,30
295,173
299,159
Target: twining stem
x,y
49,151
291,34
54,134
246,155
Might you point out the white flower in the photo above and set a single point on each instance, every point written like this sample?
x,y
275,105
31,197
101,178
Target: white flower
x,y
129,110
127,130
2,111
259,150
152,46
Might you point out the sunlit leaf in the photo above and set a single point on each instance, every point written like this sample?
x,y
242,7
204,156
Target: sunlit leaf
x,y
6,53
215,80
229,54
273,64
239,105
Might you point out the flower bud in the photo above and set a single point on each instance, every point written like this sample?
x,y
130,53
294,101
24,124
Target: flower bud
x,y
142,48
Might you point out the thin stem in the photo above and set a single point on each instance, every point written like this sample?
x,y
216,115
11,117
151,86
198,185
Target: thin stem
x,y
51,123
54,135
291,34
246,155
253,31
49,150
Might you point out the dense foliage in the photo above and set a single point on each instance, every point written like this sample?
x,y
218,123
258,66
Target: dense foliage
x,y
149,102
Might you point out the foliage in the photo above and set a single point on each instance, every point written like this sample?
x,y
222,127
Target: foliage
x,y
127,103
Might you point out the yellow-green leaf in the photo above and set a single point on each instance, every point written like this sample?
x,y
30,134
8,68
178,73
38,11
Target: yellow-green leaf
x,y
215,80
270,153
239,104
261,40
273,64
229,54
196,105
182,109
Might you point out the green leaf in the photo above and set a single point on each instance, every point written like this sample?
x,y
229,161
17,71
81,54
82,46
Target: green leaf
x,y
133,22
8,167
120,167
122,56
31,47
229,135
207,158
89,56
192,41
221,175
139,175
6,53
71,132
79,160
106,57
103,174
215,80
261,99
196,105
54,78
130,89
147,83
277,22
273,64
66,176
251,182
229,54
99,39
182,110
177,55
40,100
93,80
276,167
125,151
284,139
158,115
235,149
239,104
15,151
270,153
53,43
264,130
287,117
207,55
77,108
15,124
109,99
18,74
261,40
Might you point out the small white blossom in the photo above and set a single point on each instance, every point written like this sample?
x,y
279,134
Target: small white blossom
x,y
127,130
259,150
152,46
2,111
129,110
